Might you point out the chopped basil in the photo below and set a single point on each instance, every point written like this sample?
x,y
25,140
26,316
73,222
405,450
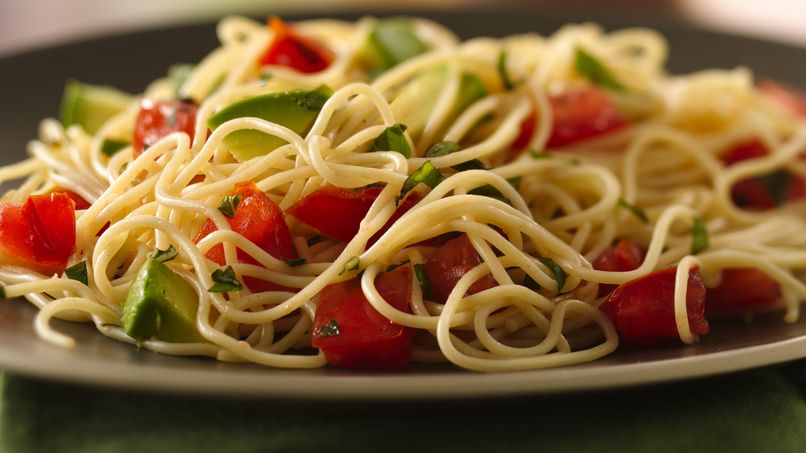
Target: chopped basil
x,y
539,154
442,149
229,204
474,164
502,70
110,146
699,236
315,240
530,283
488,190
428,174
776,184
78,272
422,278
590,67
559,273
393,267
225,280
316,99
179,73
351,265
331,329
294,262
164,255
638,212
392,139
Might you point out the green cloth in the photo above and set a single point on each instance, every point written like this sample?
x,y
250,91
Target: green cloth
x,y
762,410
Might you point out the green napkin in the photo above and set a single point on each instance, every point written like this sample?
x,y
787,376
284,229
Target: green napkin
x,y
762,410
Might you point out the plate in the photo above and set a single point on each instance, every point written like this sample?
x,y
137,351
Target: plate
x,y
31,86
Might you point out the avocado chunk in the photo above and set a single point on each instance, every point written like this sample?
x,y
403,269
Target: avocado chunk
x,y
390,42
418,98
90,106
161,304
295,109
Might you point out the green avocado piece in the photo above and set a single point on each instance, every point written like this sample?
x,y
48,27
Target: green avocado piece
x,y
161,304
418,98
90,106
295,109
391,42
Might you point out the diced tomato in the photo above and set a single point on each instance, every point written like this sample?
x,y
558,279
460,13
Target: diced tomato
x,y
288,48
624,256
160,118
79,201
39,234
742,289
767,191
352,334
526,132
642,310
260,220
448,263
338,212
788,97
581,114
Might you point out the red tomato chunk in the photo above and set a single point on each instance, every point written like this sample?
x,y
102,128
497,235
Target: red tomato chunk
x,y
39,234
742,290
338,212
583,114
260,220
352,334
642,310
448,263
160,118
624,256
288,48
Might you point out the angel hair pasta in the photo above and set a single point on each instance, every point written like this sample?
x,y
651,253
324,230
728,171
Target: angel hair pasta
x,y
374,193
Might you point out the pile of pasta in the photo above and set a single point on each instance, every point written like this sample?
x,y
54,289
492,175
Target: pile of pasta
x,y
498,203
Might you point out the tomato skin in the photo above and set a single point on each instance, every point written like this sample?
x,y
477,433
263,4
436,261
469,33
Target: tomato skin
x,y
750,193
448,263
80,202
581,114
741,290
338,212
157,119
788,97
295,51
624,256
260,220
40,233
526,132
642,310
366,339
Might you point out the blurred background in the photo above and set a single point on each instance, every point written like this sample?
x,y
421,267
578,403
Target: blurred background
x,y
28,24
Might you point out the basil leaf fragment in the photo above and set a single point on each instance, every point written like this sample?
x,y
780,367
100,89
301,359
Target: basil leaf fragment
x,y
442,149
473,164
488,190
535,154
422,278
315,240
164,255
428,174
392,139
77,272
590,67
331,329
776,184
110,146
638,212
225,280
699,236
294,262
502,70
351,265
559,273
230,204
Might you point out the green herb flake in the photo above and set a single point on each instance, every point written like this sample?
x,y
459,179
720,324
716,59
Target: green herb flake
x,y
638,212
502,70
178,75
590,67
559,273
313,240
530,283
164,255
294,262
230,204
699,236
78,272
422,278
331,329
392,139
110,146
442,149
428,174
488,190
351,265
225,280
776,184
474,164
535,154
